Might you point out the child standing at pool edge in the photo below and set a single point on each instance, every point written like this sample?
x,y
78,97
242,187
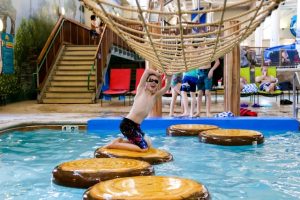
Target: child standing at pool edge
x,y
144,100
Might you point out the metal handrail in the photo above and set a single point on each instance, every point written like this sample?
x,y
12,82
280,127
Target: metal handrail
x,y
95,60
89,75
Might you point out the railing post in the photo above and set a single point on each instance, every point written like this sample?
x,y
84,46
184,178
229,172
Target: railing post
x,y
262,57
280,58
37,76
295,107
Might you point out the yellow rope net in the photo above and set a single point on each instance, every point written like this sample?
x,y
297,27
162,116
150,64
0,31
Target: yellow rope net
x,y
171,41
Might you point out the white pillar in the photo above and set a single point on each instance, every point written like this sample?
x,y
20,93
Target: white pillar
x,y
298,28
209,15
275,21
259,38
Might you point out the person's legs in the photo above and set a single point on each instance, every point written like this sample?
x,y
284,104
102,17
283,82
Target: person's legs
x,y
271,87
192,82
200,88
173,102
199,102
208,102
193,102
268,87
135,137
177,90
185,103
208,87
185,88
120,143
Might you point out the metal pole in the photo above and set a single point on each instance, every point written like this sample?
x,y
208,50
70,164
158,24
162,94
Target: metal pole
x,y
295,112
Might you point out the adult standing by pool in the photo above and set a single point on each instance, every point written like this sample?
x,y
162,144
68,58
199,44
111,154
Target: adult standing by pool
x,y
205,85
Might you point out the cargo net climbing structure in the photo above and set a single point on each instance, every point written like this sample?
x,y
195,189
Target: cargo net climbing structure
x,y
171,36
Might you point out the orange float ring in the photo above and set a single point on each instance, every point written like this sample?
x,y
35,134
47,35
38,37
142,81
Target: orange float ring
x,y
188,129
152,156
87,172
147,187
231,137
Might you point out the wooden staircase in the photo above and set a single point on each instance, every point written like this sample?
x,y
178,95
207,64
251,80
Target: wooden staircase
x,y
64,67
70,82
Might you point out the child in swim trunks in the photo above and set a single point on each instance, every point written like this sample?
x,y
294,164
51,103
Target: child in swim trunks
x,y
144,100
189,82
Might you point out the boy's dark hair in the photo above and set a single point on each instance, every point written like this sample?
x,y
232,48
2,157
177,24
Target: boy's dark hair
x,y
93,17
151,75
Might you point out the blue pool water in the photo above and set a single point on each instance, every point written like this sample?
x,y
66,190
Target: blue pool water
x,y
268,172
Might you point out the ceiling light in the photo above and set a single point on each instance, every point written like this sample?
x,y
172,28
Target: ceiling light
x,y
62,11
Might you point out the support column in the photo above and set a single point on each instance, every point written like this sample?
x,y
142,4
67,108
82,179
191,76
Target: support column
x,y
298,28
275,21
259,39
232,75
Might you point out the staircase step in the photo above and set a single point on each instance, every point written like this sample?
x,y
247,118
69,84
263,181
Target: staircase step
x,y
69,89
72,78
57,101
71,83
87,62
81,48
64,95
79,53
74,68
77,57
74,73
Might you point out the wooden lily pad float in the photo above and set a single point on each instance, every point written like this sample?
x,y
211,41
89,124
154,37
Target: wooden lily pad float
x,y
147,187
152,156
189,129
87,172
231,137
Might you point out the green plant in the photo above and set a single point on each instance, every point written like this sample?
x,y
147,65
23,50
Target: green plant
x,y
31,36
9,84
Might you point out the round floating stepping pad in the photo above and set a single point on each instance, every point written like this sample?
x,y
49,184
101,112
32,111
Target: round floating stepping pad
x,y
152,156
231,137
147,187
87,172
189,129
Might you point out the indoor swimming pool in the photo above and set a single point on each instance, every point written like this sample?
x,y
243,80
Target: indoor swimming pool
x,y
269,171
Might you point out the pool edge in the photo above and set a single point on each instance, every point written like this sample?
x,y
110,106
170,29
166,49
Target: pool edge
x,y
253,123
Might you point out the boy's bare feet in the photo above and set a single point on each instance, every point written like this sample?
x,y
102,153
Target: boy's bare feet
x,y
117,140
